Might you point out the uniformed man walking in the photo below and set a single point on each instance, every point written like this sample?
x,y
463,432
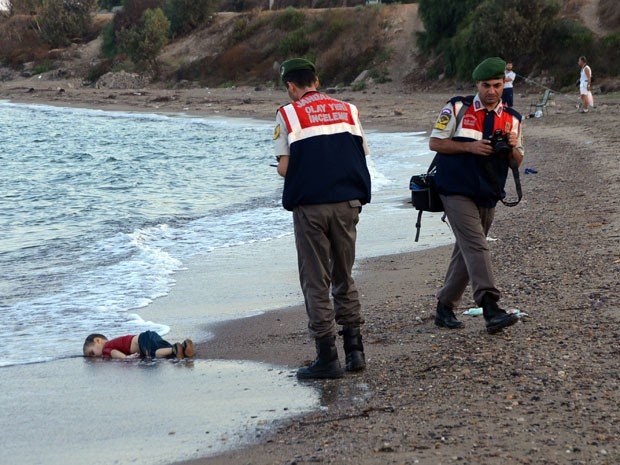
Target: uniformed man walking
x,y
321,152
471,175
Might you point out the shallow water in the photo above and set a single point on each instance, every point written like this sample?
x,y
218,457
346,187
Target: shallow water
x,y
75,412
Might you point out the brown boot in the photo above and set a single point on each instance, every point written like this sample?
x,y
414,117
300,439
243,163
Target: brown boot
x,y
177,351
188,348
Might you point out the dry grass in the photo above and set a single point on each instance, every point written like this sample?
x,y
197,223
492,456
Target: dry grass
x,y
253,42
19,41
609,14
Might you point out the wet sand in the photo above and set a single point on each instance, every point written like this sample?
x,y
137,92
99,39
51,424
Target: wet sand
x,y
543,392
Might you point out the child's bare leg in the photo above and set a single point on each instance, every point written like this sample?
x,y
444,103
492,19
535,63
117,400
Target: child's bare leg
x,y
163,353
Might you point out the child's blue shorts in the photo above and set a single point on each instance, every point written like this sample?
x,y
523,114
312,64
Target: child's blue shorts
x,y
149,342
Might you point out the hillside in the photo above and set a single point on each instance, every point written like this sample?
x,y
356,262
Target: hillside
x,y
245,48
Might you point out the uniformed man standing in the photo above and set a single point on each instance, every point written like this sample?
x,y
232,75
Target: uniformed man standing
x,y
471,175
321,152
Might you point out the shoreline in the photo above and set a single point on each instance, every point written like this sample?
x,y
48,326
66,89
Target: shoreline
x,y
436,396
385,110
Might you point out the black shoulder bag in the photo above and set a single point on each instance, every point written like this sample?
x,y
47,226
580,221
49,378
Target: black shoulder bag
x,y
424,195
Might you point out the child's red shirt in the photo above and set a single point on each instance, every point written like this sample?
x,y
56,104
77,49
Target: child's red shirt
x,y
122,344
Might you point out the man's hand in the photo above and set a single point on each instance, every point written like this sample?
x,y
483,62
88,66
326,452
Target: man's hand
x,y
283,165
480,147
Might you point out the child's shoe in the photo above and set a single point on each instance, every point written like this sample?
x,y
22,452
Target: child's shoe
x,y
177,351
188,348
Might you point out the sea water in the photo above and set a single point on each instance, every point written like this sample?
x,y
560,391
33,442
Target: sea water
x,y
101,213
99,210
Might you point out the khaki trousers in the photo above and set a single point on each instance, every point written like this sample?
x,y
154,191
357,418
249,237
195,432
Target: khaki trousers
x,y
325,238
471,259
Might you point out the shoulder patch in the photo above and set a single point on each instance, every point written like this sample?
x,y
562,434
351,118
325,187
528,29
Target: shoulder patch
x,y
276,132
443,120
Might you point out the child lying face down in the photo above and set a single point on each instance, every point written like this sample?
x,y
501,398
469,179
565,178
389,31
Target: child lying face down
x,y
146,344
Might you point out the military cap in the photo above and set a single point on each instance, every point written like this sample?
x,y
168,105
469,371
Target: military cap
x,y
295,64
491,68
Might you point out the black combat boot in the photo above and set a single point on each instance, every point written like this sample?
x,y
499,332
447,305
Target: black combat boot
x,y
445,318
495,317
353,348
326,365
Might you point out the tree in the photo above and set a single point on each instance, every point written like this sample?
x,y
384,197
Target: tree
x,y
186,15
502,28
442,20
62,21
463,32
144,41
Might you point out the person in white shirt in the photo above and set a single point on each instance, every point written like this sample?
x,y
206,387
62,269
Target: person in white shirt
x,y
585,85
509,77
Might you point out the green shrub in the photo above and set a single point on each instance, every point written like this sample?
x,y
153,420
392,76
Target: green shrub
x,y
568,34
98,70
442,19
42,67
491,28
24,7
334,29
240,29
144,41
61,21
108,41
187,15
294,43
289,20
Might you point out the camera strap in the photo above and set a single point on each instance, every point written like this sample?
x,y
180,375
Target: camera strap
x,y
491,176
515,174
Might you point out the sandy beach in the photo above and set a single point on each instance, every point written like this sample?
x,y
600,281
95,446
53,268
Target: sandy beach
x,y
544,392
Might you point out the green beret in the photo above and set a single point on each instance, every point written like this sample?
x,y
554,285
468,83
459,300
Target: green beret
x,y
295,64
491,68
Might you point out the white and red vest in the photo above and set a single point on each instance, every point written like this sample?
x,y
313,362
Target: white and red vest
x,y
327,152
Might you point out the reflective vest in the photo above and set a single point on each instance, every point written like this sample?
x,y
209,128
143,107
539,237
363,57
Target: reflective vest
x,y
469,174
327,162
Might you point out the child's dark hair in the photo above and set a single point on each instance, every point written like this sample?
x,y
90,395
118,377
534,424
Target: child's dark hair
x,y
91,338
301,77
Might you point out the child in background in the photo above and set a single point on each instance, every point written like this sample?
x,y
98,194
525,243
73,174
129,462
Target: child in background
x,y
146,344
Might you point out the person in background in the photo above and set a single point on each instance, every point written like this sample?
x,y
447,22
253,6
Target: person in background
x,y
470,178
321,151
509,79
585,85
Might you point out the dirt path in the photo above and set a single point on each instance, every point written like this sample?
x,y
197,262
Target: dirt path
x,y
404,24
589,15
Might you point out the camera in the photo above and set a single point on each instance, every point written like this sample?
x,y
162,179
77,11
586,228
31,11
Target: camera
x,y
499,142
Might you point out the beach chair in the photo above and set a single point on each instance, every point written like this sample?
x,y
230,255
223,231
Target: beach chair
x,y
541,104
